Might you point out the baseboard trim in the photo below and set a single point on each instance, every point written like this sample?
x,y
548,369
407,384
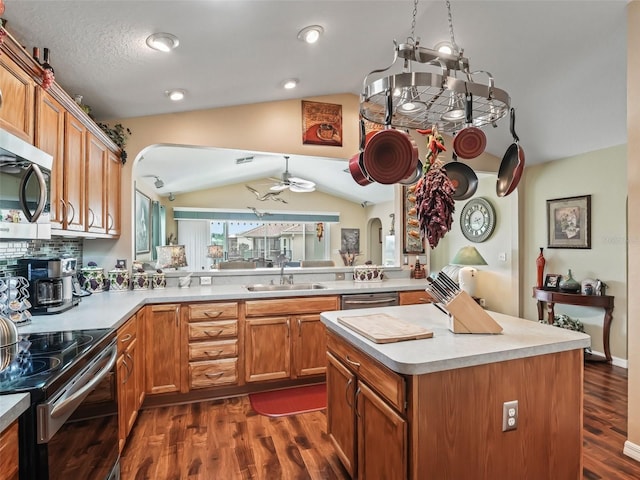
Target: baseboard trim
x,y
632,450
618,362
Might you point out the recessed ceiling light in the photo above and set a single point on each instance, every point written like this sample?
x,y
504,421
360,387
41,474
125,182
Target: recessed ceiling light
x,y
310,34
290,83
176,95
164,42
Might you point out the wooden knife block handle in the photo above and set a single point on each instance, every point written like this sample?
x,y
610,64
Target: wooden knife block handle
x,y
469,317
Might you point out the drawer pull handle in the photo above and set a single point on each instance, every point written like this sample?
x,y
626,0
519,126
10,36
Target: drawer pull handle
x,y
212,314
213,334
346,392
213,354
355,364
356,403
126,338
214,375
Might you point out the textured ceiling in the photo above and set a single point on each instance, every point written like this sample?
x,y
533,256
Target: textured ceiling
x,y
562,62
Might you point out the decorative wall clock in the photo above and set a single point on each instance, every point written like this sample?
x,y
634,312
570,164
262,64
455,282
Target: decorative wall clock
x,y
478,219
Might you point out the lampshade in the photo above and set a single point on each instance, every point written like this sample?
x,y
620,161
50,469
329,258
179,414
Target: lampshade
x,y
171,256
468,256
214,251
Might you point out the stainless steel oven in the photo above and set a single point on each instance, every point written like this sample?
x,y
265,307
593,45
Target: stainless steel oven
x,y
68,432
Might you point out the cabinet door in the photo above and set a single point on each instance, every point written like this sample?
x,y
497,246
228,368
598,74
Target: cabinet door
x,y
267,348
162,348
414,297
114,182
309,344
9,452
382,438
96,188
17,105
49,137
74,171
131,387
341,418
122,372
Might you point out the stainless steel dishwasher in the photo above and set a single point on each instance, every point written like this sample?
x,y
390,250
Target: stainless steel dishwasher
x,y
369,300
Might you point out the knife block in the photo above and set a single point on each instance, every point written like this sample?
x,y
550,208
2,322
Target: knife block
x,y
469,317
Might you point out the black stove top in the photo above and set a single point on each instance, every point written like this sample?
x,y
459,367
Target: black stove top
x,y
43,359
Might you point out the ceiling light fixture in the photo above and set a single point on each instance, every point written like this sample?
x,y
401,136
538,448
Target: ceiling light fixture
x,y
310,34
175,95
290,83
163,42
426,89
158,183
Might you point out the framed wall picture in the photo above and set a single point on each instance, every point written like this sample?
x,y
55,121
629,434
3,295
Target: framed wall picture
x,y
350,240
143,223
321,123
552,281
569,222
412,241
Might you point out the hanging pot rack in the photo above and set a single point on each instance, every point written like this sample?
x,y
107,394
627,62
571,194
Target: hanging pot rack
x,y
432,96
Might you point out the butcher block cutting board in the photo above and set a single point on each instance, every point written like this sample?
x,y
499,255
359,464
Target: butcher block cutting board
x,y
383,328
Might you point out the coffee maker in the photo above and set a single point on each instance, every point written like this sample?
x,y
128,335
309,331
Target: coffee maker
x,y
50,283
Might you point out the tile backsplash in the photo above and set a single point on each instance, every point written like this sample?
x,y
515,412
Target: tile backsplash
x,y
12,250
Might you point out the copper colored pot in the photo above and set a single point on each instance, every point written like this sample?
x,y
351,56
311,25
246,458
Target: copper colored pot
x,y
356,168
512,164
469,142
390,156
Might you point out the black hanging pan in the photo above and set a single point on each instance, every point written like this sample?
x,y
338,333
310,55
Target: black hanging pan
x,y
512,164
463,178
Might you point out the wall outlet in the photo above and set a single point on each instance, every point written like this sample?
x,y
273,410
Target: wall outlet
x,y
205,280
340,276
502,256
509,415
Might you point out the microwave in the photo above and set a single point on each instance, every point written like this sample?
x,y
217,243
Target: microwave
x,y
25,177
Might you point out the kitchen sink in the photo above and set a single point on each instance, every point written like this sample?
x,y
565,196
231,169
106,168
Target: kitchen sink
x,y
276,288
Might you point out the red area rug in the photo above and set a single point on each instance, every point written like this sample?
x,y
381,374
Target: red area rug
x,y
290,401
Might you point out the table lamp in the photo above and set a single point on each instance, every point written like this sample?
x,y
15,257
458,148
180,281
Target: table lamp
x,y
171,256
215,252
467,257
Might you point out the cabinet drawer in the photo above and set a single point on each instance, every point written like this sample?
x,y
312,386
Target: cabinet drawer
x,y
213,330
213,311
213,373
290,306
386,382
9,452
213,350
414,297
127,334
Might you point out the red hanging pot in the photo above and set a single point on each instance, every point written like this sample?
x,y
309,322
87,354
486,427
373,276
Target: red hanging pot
x,y
390,156
471,141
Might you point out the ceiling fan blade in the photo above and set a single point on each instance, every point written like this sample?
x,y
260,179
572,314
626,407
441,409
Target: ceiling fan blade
x,y
295,187
301,182
278,188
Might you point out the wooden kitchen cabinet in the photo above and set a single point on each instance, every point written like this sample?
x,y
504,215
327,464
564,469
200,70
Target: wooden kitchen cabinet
x,y
9,452
162,347
212,345
414,297
74,174
114,189
129,371
96,185
365,418
284,338
17,90
49,137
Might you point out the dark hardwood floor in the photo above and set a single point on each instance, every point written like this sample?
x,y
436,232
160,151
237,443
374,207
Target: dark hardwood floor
x,y
227,440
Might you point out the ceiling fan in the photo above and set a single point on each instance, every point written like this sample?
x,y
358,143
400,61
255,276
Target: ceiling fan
x,y
295,184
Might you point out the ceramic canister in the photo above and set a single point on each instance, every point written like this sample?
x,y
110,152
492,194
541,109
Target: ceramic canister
x,y
159,280
93,279
119,280
140,281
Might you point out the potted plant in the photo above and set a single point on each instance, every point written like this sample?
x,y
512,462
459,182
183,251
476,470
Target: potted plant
x,y
118,135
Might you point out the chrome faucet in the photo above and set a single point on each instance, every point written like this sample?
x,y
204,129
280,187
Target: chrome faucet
x,y
283,262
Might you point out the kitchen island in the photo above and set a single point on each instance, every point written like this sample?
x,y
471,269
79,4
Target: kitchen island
x,y
434,408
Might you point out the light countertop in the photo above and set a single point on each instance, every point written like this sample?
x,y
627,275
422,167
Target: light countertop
x,y
11,407
111,309
520,338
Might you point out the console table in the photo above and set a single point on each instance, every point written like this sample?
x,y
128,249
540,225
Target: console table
x,y
551,297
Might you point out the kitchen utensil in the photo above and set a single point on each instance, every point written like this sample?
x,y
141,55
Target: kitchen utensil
x,y
356,163
469,142
463,178
185,282
414,177
390,155
512,164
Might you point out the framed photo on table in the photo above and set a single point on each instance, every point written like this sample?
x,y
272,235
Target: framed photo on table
x,y
552,281
569,222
